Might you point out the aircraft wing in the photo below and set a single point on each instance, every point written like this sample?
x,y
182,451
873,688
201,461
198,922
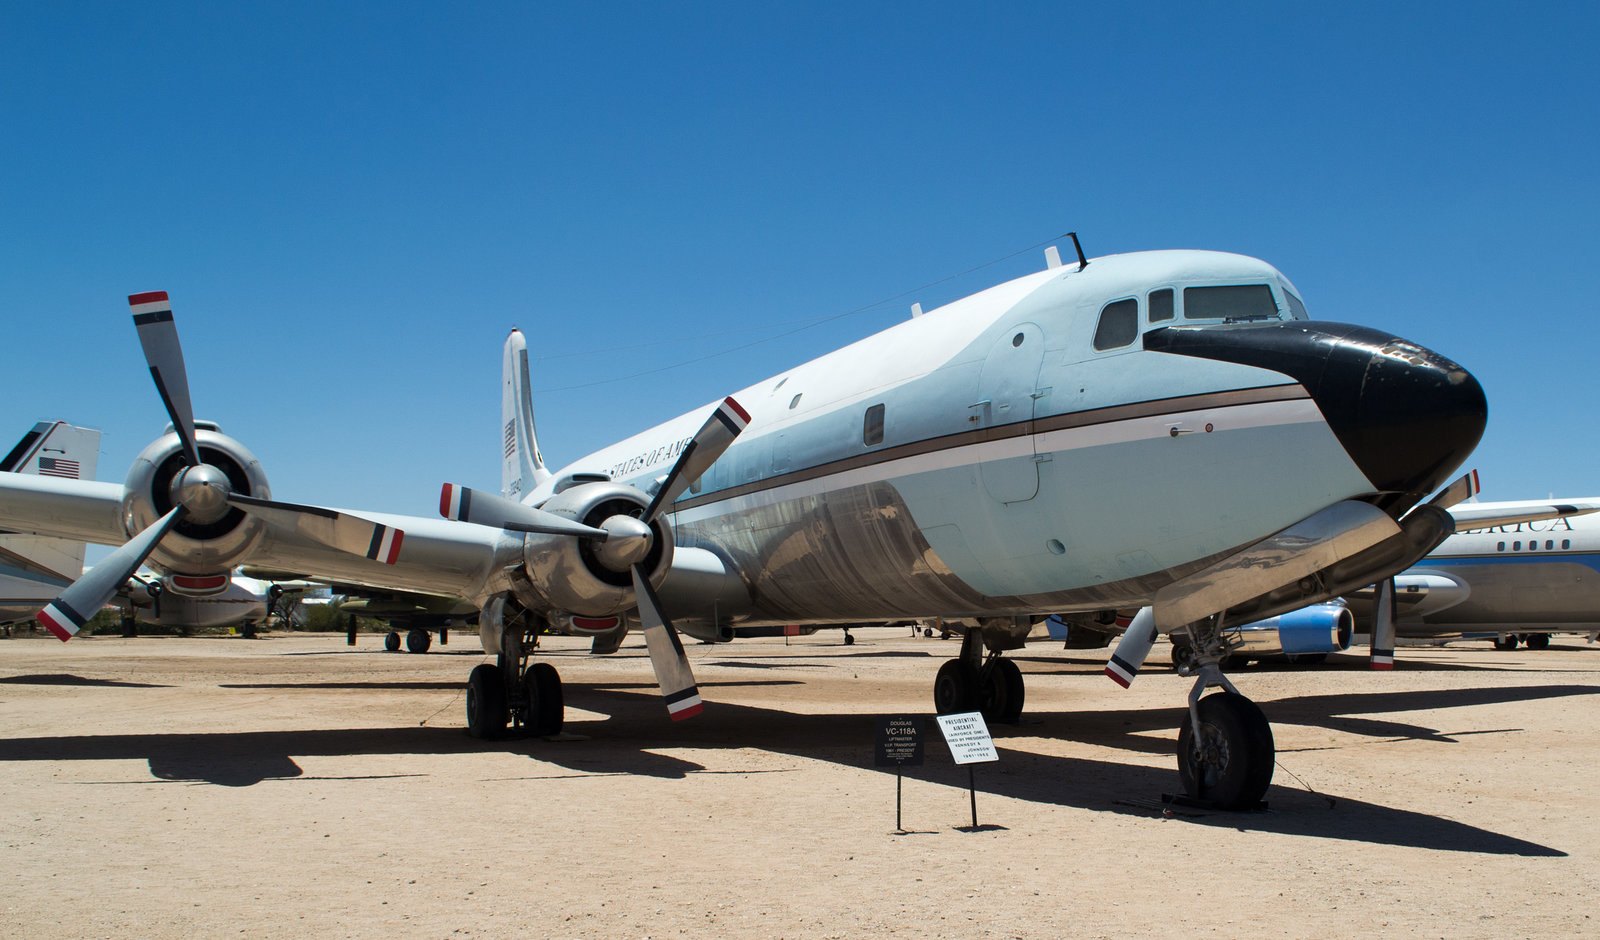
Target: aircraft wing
x,y
437,556
83,510
1470,516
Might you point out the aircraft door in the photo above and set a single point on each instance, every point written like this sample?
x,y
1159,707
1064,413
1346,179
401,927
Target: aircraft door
x,y
1006,388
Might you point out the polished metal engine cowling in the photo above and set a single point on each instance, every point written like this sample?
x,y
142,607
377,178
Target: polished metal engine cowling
x,y
573,574
195,547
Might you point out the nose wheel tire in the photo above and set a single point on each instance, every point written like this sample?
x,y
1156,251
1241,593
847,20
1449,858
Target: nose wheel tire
x,y
486,703
1231,763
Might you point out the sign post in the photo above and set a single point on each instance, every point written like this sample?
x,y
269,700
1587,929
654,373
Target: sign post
x,y
899,745
968,738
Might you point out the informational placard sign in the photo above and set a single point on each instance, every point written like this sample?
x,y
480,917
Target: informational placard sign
x,y
968,737
900,741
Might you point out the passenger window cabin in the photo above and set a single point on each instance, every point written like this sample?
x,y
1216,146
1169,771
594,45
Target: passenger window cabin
x,y
872,426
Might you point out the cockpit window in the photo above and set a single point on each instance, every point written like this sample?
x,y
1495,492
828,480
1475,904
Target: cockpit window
x,y
1296,308
1161,304
1119,324
1238,302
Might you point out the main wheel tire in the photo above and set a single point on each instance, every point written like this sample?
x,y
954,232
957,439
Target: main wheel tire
x,y
391,641
418,641
1537,641
545,699
1505,643
1182,655
955,688
486,703
1002,693
1232,765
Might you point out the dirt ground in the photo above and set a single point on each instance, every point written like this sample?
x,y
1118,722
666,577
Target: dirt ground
x,y
293,786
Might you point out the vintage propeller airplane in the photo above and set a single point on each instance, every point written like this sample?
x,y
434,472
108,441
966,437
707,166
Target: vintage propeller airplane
x,y
1162,430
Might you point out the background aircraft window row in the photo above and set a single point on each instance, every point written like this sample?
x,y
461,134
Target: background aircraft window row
x,y
1533,545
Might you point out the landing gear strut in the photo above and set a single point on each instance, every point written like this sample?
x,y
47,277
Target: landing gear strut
x,y
980,682
512,691
1225,750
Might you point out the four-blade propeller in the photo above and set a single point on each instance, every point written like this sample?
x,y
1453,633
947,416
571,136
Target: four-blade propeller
x,y
624,542
203,493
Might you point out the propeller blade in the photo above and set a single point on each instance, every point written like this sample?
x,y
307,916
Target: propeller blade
x,y
83,598
1462,489
158,334
328,527
666,653
1133,648
1383,616
490,509
708,443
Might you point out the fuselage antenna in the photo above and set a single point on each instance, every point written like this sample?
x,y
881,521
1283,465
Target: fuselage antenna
x,y
1082,261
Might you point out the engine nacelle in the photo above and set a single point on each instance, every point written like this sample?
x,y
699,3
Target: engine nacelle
x,y
194,548
1319,629
570,574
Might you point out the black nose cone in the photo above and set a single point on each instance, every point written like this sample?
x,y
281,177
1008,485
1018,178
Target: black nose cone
x,y
1407,416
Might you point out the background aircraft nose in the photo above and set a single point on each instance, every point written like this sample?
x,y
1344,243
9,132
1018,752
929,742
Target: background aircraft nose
x,y
1406,415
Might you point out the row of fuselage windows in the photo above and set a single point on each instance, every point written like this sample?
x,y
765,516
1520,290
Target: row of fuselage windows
x,y
1119,320
1533,545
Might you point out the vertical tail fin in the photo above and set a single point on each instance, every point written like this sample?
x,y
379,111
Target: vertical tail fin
x,y
36,567
522,466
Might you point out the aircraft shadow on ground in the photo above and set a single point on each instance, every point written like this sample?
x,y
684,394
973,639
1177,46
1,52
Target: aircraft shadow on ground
x,y
629,741
63,678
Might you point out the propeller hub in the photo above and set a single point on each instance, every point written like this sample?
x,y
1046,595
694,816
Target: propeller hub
x,y
202,492
628,542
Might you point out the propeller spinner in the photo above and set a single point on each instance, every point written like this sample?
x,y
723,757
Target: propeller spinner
x,y
622,542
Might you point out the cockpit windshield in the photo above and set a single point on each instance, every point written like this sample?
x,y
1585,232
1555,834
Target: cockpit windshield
x,y
1232,303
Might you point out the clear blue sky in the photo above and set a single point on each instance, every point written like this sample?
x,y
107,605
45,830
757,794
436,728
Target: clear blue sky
x,y
351,204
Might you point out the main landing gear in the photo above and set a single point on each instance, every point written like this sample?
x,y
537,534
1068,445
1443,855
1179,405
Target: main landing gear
x,y
980,682
1225,749
527,696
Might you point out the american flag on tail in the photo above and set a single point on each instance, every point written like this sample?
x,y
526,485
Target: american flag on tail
x,y
58,467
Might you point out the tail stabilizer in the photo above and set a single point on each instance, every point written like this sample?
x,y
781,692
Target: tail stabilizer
x,y
34,569
522,466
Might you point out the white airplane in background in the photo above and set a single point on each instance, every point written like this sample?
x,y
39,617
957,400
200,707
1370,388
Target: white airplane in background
x,y
1162,430
1525,579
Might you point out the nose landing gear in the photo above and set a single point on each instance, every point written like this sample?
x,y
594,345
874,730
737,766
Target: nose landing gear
x,y
1226,753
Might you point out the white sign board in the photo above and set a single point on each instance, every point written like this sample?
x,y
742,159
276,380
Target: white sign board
x,y
968,738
